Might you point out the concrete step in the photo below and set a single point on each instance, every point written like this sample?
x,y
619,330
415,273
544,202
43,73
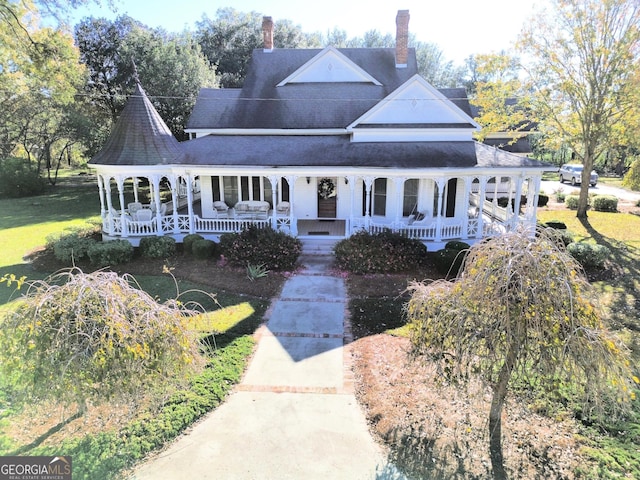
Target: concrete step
x,y
318,246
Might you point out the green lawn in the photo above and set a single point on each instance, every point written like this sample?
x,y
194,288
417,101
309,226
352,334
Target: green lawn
x,y
24,225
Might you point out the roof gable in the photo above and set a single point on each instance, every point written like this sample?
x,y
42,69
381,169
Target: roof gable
x,y
329,66
418,103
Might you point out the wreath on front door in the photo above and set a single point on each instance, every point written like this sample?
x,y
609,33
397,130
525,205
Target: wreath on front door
x,y
326,188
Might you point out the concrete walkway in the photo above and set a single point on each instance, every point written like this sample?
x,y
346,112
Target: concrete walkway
x,y
294,416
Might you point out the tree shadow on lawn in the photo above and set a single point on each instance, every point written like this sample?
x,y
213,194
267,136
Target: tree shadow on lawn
x,y
627,259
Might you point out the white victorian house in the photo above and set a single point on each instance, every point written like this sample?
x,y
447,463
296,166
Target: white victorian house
x,y
321,143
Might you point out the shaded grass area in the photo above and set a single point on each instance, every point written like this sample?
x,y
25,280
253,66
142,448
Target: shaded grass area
x,y
24,226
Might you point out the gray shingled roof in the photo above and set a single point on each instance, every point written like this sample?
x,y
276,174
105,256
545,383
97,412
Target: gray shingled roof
x,y
489,156
139,137
261,104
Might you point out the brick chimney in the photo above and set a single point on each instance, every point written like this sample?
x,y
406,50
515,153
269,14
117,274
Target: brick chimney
x,y
267,34
402,38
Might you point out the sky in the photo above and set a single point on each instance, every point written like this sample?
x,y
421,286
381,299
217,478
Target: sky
x,y
459,27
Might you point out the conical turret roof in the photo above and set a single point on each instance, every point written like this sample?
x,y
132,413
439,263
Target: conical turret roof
x,y
139,137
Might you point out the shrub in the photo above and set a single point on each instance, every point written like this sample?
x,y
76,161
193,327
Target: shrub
x,y
589,255
188,240
76,337
383,252
571,201
605,203
275,250
71,247
449,261
113,252
18,178
157,247
204,248
457,245
632,177
543,200
560,196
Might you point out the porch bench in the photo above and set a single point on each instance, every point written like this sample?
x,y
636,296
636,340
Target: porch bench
x,y
253,209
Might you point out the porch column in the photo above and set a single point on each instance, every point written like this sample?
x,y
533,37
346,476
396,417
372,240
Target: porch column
x,y
174,180
293,221
156,199
368,183
135,181
352,196
467,192
274,201
441,182
516,202
483,192
532,201
399,182
100,192
192,227
123,218
110,219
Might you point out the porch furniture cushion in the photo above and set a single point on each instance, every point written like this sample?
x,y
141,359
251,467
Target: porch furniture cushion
x,y
220,206
283,208
133,207
252,209
143,215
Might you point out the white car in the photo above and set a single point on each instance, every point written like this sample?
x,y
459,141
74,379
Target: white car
x,y
573,174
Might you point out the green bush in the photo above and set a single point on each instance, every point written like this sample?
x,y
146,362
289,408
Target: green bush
x,y
71,247
560,196
204,248
261,246
632,177
605,203
571,201
448,261
113,252
589,255
457,245
18,178
157,247
188,240
383,252
543,200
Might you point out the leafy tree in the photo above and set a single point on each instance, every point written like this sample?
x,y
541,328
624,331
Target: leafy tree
x,y
170,67
632,177
584,57
229,39
521,311
79,337
499,94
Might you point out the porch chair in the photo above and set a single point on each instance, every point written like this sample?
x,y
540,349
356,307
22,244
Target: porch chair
x,y
221,209
143,215
133,207
283,208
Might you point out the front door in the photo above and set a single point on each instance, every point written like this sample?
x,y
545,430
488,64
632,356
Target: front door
x,y
327,197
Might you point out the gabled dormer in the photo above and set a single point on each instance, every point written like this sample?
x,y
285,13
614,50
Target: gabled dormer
x,y
416,111
329,66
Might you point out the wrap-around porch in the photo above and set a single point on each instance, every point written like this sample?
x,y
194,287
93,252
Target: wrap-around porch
x,y
433,209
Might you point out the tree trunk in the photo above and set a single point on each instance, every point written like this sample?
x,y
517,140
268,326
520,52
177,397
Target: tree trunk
x,y
495,415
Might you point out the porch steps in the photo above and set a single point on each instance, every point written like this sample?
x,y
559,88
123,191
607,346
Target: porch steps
x,y
312,245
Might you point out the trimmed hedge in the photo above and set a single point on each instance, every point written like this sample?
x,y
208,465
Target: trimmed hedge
x,y
189,240
383,252
203,248
275,250
72,247
449,260
605,203
113,252
157,247
589,255
571,201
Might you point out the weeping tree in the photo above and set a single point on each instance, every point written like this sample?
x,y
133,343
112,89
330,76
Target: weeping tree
x,y
522,311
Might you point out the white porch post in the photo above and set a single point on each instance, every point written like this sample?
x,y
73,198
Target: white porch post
x,y
482,193
467,194
101,193
441,183
293,221
516,202
175,180
110,227
135,181
156,200
192,228
368,183
399,182
123,218
532,202
274,201
352,193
